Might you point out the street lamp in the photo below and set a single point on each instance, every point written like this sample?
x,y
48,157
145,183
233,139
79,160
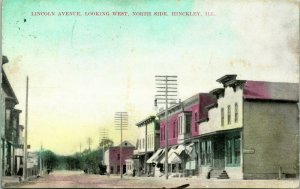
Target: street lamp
x,y
121,123
166,92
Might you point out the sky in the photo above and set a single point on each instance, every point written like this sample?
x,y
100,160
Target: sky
x,y
83,69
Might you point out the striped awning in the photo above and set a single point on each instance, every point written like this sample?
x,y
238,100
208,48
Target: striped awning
x,y
155,156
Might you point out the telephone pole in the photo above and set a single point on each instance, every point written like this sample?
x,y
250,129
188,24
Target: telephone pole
x,y
89,140
121,123
41,162
26,130
166,92
103,136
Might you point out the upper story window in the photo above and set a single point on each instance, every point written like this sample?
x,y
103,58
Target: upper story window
x,y
118,157
196,117
179,125
164,133
236,112
188,123
144,142
228,115
222,116
174,129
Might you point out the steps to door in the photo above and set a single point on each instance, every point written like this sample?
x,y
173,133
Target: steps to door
x,y
219,174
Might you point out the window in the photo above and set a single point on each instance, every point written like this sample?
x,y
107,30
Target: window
x,y
139,143
228,115
196,126
202,150
205,152
236,113
118,157
180,122
208,152
228,152
143,143
188,123
174,128
233,151
179,126
164,133
222,116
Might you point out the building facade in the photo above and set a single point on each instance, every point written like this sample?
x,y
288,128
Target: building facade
x,y
248,130
12,149
147,144
112,157
183,132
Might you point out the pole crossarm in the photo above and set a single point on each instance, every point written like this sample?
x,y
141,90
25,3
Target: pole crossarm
x,y
121,123
166,86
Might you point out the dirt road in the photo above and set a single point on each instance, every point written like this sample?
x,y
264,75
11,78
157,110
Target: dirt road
x,y
77,179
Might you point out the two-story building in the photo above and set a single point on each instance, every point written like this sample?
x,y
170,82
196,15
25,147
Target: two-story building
x,y
147,143
12,130
251,132
113,158
183,132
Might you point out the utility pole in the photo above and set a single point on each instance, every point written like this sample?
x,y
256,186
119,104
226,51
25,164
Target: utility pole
x,y
121,123
102,138
146,147
41,162
89,143
166,92
26,130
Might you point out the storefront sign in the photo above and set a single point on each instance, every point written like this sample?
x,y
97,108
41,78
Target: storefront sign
x,y
248,151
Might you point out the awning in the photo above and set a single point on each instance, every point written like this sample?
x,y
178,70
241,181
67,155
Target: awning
x,y
174,159
155,156
190,150
177,150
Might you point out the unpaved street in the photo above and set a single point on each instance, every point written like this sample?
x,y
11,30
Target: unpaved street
x,y
77,179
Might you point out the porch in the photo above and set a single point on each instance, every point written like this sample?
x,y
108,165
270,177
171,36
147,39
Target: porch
x,y
220,156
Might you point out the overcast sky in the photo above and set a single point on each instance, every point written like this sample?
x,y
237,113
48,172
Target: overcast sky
x,y
83,69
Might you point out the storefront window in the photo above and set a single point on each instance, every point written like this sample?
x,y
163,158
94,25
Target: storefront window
x,y
228,152
203,153
208,152
233,151
237,151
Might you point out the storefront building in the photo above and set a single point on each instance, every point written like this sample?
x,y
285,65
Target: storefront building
x,y
248,129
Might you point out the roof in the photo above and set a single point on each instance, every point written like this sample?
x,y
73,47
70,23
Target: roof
x,y
227,79
146,121
10,91
4,60
262,90
125,143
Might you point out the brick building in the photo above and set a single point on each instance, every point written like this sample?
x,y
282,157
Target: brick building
x,y
112,157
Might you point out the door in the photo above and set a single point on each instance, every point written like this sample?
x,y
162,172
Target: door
x,y
219,152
